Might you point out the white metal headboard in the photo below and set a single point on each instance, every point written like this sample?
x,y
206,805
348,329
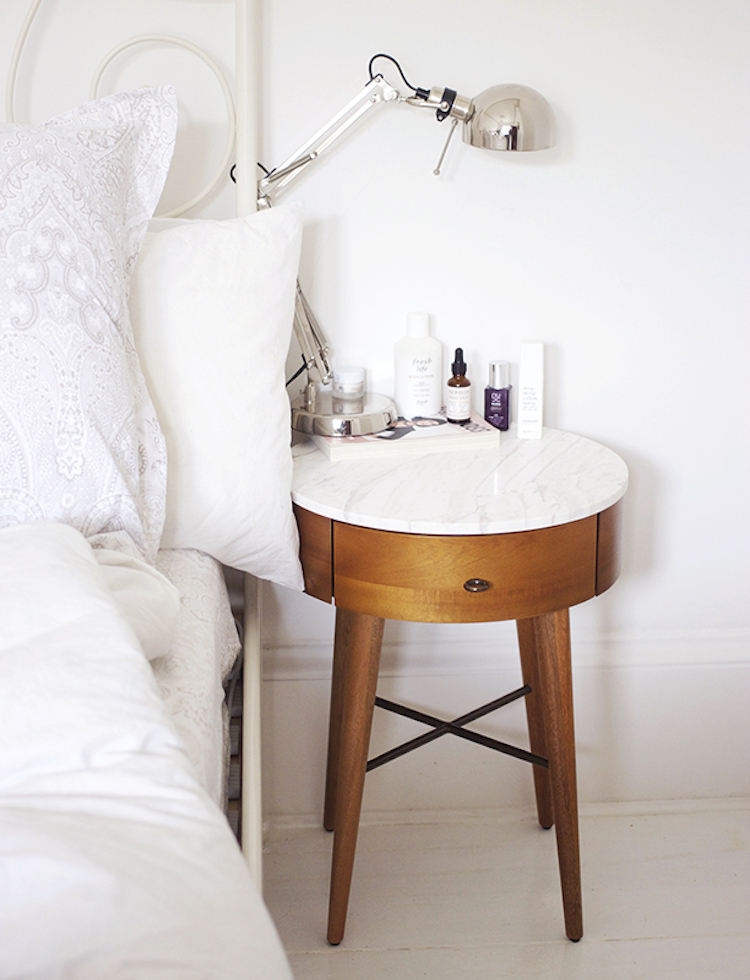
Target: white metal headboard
x,y
242,142
242,119
226,160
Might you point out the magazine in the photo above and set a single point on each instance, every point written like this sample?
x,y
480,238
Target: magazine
x,y
434,434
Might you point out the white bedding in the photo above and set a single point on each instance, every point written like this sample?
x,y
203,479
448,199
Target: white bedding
x,y
203,649
114,862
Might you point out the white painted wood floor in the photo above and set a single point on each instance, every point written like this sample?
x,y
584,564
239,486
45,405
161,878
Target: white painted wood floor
x,y
475,895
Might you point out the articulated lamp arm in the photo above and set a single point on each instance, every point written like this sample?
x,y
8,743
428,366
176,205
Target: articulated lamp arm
x,y
314,344
376,91
446,103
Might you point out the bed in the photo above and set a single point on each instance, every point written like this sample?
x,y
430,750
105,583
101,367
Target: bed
x,y
135,463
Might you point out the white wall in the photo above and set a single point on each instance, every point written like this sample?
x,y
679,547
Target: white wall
x,y
625,249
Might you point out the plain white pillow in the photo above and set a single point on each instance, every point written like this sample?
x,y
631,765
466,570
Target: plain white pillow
x,y
212,305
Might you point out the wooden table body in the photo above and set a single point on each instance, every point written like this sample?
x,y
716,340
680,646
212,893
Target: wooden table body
x,y
534,576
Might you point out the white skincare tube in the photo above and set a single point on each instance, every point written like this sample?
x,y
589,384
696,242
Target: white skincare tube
x,y
531,391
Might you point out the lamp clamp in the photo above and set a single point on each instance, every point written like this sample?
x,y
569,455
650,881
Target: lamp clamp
x,y
445,101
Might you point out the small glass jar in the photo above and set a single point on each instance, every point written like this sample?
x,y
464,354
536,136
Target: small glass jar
x,y
348,388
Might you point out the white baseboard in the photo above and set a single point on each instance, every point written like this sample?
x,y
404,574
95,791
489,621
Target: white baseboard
x,y
657,717
474,650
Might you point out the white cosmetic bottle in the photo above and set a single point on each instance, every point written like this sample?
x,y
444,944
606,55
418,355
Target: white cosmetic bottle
x,y
418,370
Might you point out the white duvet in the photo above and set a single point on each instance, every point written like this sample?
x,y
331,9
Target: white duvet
x,y
114,863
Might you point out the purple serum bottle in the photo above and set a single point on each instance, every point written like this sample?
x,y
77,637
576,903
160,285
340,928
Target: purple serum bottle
x,y
497,396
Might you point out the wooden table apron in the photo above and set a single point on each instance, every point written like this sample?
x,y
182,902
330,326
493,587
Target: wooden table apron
x,y
532,576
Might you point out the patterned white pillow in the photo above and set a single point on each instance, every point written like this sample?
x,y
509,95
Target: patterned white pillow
x,y
80,442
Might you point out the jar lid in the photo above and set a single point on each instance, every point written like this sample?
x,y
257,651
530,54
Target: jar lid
x,y
349,375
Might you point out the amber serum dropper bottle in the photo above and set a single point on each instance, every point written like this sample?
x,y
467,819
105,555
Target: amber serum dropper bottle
x,y
458,391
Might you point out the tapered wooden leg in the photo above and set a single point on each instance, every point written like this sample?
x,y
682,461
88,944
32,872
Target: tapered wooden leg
x,y
553,651
535,719
359,639
334,723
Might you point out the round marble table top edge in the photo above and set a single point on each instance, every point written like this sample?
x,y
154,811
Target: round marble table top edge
x,y
520,486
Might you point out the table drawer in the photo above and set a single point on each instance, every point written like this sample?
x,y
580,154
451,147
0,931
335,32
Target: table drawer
x,y
424,578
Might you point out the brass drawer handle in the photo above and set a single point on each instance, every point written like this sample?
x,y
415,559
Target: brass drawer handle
x,y
476,585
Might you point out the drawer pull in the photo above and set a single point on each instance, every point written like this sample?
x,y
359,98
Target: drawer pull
x,y
476,585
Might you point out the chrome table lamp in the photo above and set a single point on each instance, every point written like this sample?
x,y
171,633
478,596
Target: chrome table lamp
x,y
504,117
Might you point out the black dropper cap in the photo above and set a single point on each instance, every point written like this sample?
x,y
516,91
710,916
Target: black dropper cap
x,y
459,364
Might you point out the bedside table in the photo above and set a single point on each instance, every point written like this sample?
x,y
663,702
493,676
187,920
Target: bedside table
x,y
520,532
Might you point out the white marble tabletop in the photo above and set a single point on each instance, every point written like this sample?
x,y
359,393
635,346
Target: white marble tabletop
x,y
520,486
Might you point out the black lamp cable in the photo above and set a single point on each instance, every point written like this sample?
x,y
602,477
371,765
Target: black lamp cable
x,y
297,373
260,166
421,93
